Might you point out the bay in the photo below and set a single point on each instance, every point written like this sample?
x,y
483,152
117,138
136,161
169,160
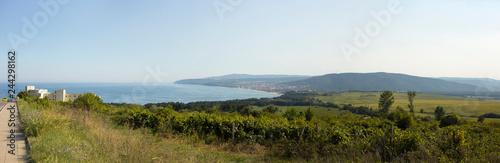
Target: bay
x,y
138,93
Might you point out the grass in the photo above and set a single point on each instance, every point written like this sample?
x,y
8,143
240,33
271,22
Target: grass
x,y
58,132
64,134
318,110
427,102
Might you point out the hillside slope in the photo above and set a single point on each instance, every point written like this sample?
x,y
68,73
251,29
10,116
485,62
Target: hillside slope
x,y
380,82
483,84
233,79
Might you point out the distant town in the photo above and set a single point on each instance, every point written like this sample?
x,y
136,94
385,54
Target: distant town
x,y
268,87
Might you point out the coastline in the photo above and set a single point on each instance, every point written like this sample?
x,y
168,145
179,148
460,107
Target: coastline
x,y
274,93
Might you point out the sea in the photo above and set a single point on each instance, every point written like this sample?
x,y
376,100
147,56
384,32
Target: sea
x,y
138,93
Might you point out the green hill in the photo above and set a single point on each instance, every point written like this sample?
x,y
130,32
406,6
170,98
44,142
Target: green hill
x,y
235,79
380,82
483,84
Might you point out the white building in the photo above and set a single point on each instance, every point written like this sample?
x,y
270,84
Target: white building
x,y
58,95
36,92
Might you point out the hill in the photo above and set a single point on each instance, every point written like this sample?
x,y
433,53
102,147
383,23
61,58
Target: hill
x,y
380,82
241,78
484,84
248,76
269,83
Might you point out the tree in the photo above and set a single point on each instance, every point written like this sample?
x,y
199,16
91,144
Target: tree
x,y
385,101
271,109
439,113
309,114
411,95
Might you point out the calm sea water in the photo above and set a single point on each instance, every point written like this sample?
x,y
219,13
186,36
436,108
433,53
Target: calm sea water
x,y
142,94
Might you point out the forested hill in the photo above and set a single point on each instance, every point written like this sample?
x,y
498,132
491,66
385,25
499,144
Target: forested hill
x,y
348,82
379,82
248,76
236,79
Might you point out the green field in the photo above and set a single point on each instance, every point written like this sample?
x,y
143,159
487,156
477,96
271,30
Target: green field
x,y
428,102
87,130
317,109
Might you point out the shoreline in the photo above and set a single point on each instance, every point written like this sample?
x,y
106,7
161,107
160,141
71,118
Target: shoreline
x,y
274,93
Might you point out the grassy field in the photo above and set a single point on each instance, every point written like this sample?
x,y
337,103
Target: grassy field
x,y
428,102
69,132
317,109
62,134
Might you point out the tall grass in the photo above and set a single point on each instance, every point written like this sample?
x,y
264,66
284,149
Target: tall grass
x,y
65,134
59,132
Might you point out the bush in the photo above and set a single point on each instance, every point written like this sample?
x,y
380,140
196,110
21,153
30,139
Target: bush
x,y
405,121
448,120
88,100
211,110
402,120
291,114
400,109
23,95
271,109
480,119
491,115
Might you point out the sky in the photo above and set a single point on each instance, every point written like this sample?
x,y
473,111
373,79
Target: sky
x,y
165,41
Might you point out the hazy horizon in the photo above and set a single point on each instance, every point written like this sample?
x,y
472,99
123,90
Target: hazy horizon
x,y
171,82
112,41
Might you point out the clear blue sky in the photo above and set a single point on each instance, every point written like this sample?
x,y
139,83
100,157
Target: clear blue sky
x,y
115,41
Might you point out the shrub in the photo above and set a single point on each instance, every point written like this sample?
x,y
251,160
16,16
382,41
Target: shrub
x,y
448,120
399,108
88,100
405,121
291,114
211,110
23,95
271,109
402,120
480,119
491,115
